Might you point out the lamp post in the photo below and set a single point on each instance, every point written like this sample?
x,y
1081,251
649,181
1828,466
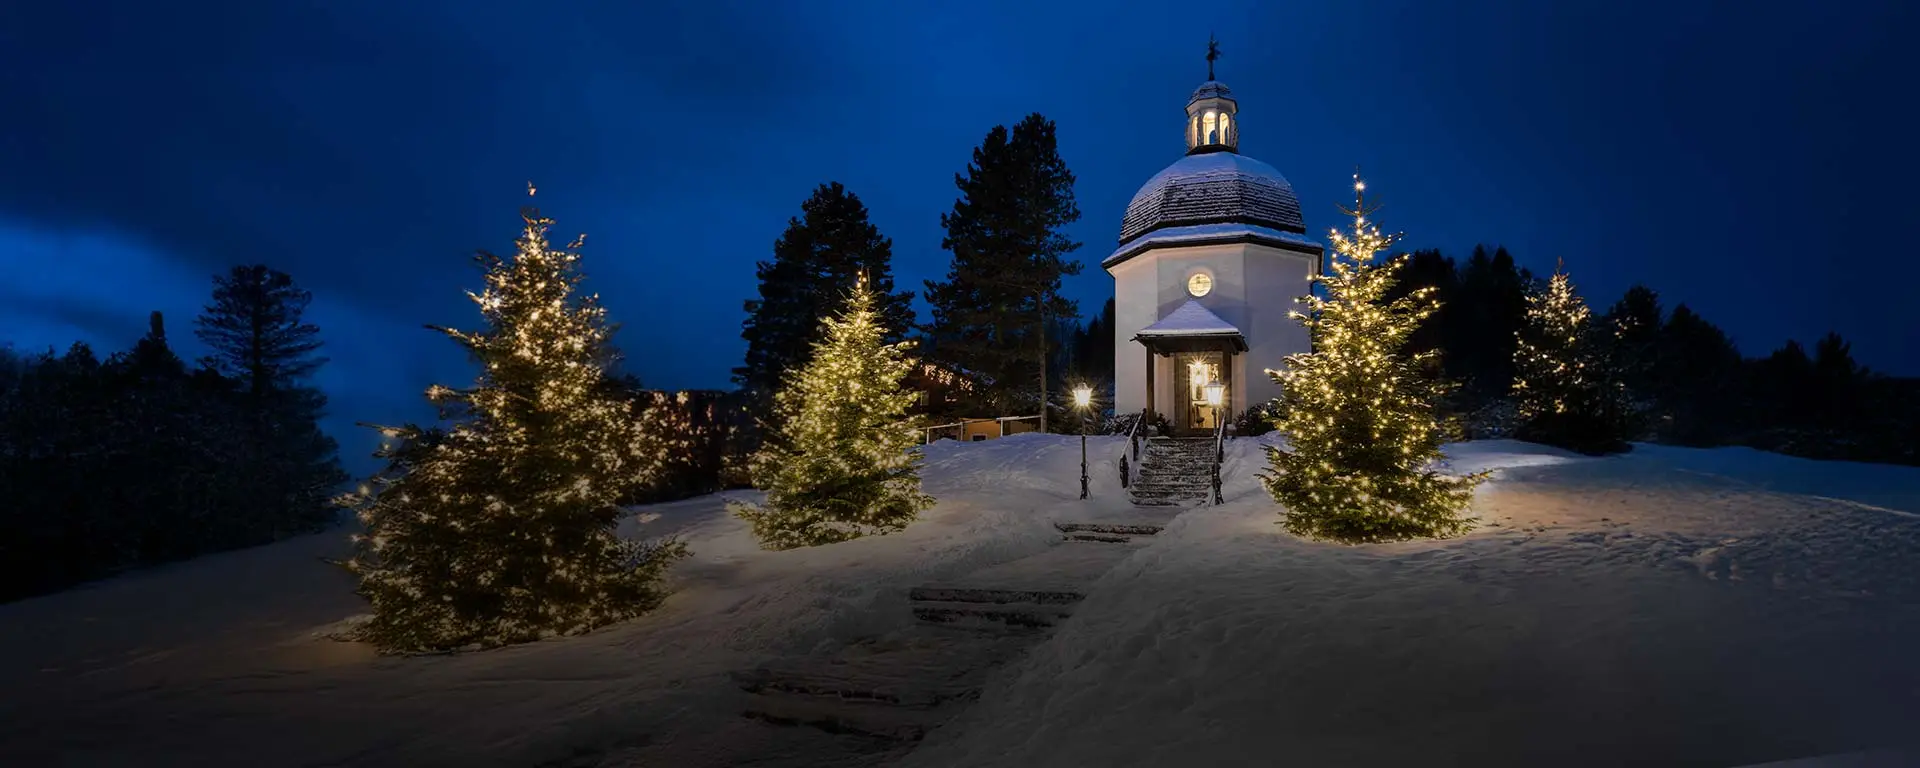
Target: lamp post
x,y
1216,395
1082,397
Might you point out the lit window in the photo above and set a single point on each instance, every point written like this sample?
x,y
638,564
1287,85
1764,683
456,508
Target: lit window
x,y
1212,127
1226,122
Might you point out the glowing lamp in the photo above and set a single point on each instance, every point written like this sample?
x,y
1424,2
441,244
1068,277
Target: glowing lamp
x,y
1216,393
1082,396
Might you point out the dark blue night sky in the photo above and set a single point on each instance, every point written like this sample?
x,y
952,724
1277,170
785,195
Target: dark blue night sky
x,y
1753,160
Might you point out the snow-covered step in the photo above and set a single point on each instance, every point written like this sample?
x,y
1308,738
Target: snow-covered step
x,y
1184,483
852,680
833,715
993,596
1121,529
1055,570
992,615
1105,533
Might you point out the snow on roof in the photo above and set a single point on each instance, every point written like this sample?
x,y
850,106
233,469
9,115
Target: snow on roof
x,y
1211,89
1200,233
1213,187
1190,319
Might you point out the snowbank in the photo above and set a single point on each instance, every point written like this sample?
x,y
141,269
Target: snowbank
x,y
218,661
1669,606
1712,607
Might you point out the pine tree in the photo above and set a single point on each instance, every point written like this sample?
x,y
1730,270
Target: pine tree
x,y
990,315
257,330
502,529
1696,379
840,461
1565,391
815,261
1360,416
1634,322
1490,304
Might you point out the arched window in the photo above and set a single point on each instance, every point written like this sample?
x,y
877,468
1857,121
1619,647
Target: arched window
x,y
1212,127
1226,128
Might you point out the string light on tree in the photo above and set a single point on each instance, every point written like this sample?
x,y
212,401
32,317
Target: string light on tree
x,y
1563,387
500,529
1359,416
841,461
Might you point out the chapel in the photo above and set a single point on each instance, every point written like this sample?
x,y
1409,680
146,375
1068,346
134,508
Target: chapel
x,y
1212,254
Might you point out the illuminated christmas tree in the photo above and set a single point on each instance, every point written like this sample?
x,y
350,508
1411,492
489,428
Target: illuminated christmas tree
x,y
1359,417
501,528
840,463
1565,392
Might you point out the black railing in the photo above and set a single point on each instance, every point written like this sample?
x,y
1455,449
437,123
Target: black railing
x,y
1127,468
1219,455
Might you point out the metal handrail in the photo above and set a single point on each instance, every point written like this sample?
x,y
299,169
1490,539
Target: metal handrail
x,y
1127,469
1219,455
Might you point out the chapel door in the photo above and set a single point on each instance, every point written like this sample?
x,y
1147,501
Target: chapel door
x,y
1195,370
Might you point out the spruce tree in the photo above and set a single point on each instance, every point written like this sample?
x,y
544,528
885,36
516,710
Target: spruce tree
x,y
1697,380
257,330
1566,392
501,530
1489,305
815,261
990,315
1359,415
840,461
1634,326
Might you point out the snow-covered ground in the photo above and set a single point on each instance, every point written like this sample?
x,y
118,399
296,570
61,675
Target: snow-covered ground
x,y
1671,606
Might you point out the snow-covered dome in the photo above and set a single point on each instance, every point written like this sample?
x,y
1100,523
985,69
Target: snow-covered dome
x,y
1216,187
1211,89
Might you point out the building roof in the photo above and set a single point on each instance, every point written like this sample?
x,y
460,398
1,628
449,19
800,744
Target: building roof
x,y
1213,188
1208,234
1190,319
1211,89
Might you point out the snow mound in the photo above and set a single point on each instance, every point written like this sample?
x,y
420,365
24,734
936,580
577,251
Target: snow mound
x,y
224,661
1669,606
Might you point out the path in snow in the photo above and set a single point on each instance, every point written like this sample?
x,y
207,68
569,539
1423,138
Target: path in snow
x,y
879,695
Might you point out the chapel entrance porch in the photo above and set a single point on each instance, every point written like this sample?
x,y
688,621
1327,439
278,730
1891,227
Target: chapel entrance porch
x,y
1195,371
1191,353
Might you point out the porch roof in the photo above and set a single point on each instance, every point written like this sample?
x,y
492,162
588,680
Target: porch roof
x,y
1191,327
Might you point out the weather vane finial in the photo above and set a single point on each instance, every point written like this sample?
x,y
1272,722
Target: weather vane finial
x,y
1213,54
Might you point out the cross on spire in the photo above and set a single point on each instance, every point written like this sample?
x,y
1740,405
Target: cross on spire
x,y
1213,54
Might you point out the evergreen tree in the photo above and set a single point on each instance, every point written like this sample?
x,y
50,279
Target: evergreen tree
x,y
502,529
1696,379
1432,270
1635,322
1092,360
257,330
1490,306
1565,391
815,261
1358,415
840,462
990,315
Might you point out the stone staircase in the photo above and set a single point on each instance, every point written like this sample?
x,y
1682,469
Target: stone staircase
x,y
890,691
1174,472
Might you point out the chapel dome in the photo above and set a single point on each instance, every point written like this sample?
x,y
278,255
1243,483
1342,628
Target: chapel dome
x,y
1218,187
